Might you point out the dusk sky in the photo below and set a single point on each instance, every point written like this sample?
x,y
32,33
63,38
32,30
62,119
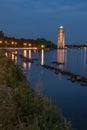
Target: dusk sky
x,y
41,19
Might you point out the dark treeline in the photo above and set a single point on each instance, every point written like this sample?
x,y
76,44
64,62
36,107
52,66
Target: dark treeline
x,y
76,46
6,41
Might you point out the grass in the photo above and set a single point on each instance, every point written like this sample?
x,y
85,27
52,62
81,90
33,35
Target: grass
x,y
21,107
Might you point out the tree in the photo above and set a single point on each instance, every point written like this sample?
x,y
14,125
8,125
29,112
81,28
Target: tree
x,y
1,34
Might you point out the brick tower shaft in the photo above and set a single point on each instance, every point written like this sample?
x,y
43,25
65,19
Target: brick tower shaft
x,y
61,40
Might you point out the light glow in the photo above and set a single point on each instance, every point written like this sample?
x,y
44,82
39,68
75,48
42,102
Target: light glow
x,y
42,57
25,53
29,64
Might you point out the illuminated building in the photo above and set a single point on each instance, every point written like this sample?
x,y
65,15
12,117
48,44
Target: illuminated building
x,y
61,39
24,44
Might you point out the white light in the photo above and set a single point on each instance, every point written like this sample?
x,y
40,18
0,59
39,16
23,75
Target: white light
x,y
61,27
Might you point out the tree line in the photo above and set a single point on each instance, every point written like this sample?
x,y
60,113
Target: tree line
x,y
6,41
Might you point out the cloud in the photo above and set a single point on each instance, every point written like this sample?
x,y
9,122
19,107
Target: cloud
x,y
54,7
75,7
42,6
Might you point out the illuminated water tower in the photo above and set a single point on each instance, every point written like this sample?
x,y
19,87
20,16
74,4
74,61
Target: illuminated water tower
x,y
61,39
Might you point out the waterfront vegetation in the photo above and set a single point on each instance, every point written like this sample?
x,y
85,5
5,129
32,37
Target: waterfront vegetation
x,y
21,108
6,41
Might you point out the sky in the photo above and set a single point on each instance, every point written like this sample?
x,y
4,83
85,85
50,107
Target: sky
x,y
41,18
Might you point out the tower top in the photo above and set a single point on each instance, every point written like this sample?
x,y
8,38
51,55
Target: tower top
x,y
61,27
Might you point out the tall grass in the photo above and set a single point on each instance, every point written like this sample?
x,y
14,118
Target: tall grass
x,y
21,107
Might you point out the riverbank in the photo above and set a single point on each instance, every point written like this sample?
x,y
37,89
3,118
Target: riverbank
x,y
20,106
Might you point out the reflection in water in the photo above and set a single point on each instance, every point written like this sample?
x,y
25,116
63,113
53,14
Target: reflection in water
x,y
24,65
61,59
42,57
12,55
84,58
25,53
16,58
6,53
29,56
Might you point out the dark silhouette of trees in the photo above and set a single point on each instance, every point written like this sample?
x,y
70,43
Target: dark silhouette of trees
x,y
1,34
22,42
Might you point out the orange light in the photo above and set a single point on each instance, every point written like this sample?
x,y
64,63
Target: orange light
x,y
24,65
34,48
15,43
6,42
0,41
29,44
12,42
25,53
25,44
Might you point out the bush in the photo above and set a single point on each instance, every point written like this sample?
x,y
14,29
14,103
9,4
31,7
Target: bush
x,y
21,107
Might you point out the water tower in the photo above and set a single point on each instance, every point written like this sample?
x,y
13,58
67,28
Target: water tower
x,y
61,39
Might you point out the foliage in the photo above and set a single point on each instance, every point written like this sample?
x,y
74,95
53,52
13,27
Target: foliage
x,y
21,107
1,34
46,43
14,42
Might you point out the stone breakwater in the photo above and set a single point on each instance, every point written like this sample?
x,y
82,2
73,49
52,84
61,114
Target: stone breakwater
x,y
71,76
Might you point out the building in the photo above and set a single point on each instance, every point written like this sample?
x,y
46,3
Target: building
x,y
61,39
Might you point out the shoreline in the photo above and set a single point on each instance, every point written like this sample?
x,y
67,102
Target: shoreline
x,y
27,109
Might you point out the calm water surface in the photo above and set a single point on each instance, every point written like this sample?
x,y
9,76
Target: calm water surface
x,y
70,97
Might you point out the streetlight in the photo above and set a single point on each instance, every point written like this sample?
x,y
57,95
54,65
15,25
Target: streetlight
x,y
42,46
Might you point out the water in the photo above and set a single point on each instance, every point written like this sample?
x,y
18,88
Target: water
x,y
70,97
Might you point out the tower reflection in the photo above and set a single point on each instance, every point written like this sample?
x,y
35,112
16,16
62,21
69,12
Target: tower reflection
x,y
61,58
42,57
85,54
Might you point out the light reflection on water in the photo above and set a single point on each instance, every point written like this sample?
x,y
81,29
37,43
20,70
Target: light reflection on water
x,y
42,57
29,56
